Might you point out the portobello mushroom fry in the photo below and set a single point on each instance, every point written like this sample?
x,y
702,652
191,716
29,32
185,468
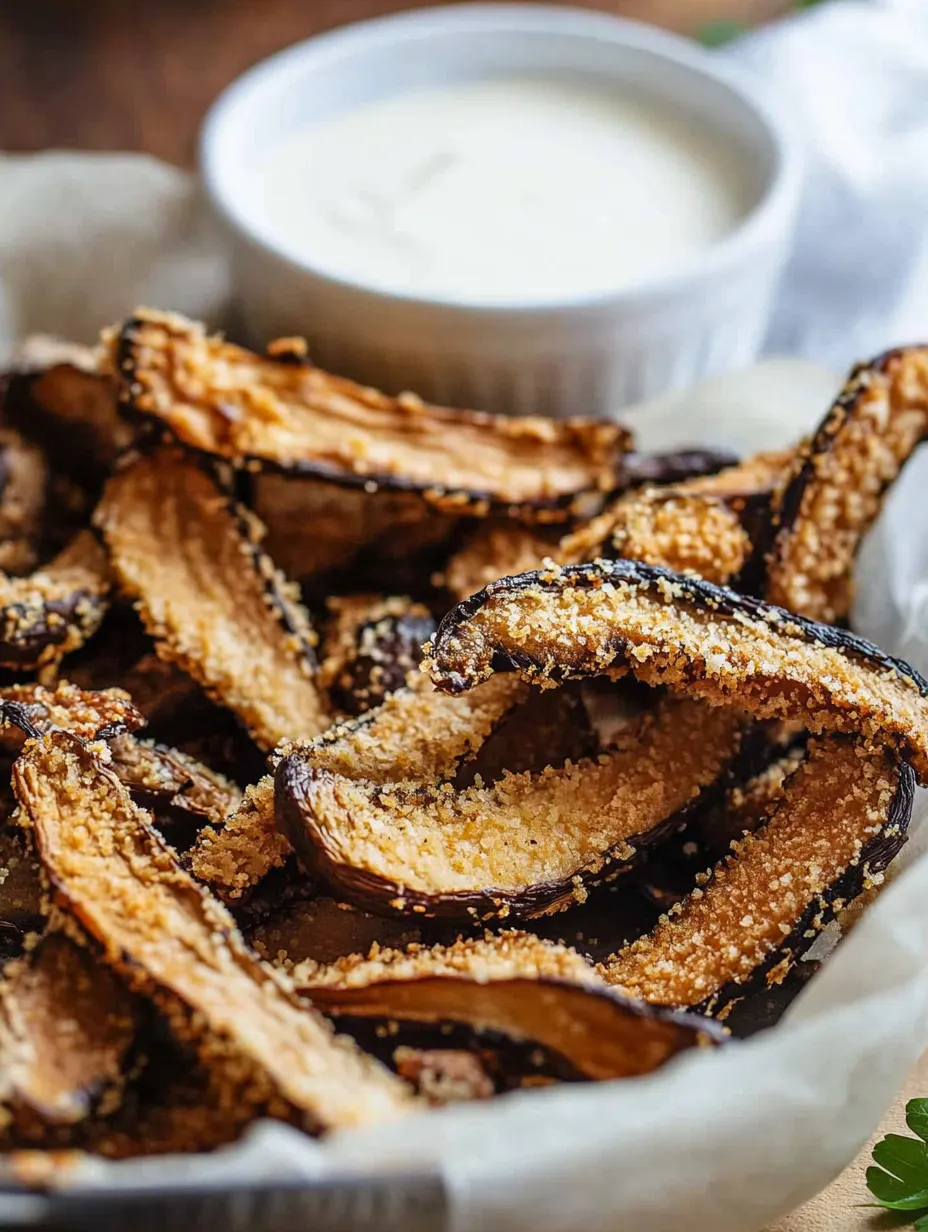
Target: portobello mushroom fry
x,y
841,818
66,1025
209,597
279,411
516,986
173,943
416,734
53,612
703,525
685,633
833,491
528,845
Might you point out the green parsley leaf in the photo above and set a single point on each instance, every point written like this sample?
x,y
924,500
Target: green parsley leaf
x,y
916,1117
900,1181
717,33
921,1225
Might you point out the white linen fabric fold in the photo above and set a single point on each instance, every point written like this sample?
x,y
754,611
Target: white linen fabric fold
x,y
854,76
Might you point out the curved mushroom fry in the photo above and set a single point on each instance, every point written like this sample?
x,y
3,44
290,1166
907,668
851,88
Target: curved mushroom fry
x,y
66,1026
85,712
209,597
834,489
175,944
526,846
521,988
60,395
373,645
416,734
172,785
318,531
24,480
665,628
704,525
840,820
280,412
52,612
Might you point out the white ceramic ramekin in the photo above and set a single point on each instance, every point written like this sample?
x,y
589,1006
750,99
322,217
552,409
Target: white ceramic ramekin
x,y
586,355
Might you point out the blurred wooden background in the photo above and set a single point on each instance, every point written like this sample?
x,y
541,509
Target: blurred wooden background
x,y
138,74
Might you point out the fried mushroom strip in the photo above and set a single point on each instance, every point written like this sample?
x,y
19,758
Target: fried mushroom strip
x,y
52,612
834,489
685,633
95,715
66,1025
373,644
208,596
164,779
524,989
281,412
24,482
59,394
172,942
841,819
703,525
416,734
526,846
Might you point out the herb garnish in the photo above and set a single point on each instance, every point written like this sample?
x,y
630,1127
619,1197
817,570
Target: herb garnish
x,y
721,31
899,1182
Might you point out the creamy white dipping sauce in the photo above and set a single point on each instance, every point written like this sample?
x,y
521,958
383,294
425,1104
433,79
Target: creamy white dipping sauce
x,y
512,189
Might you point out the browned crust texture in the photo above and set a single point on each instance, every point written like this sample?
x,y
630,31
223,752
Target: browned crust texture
x,y
525,846
834,489
233,857
66,1025
174,943
679,631
520,987
93,715
53,612
282,412
210,599
840,820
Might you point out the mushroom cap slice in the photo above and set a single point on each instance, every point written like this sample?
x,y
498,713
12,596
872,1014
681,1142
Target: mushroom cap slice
x,y
522,988
281,412
53,611
174,943
665,628
214,604
834,489
527,845
839,820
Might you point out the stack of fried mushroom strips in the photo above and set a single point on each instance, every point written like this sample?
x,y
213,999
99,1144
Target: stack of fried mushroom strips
x,y
364,755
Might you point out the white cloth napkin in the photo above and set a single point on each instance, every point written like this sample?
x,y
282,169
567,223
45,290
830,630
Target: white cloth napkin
x,y
854,76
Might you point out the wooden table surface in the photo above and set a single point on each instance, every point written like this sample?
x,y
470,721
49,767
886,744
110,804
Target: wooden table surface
x,y
126,75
